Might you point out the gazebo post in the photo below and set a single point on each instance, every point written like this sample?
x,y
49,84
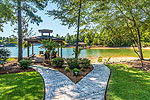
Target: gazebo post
x,y
49,36
32,48
58,51
61,50
28,49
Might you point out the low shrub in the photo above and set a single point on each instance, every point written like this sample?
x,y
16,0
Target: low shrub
x,y
82,69
67,69
72,63
24,64
85,63
75,71
57,62
4,55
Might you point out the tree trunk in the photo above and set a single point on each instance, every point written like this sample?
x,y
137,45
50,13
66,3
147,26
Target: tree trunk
x,y
139,42
140,48
78,29
19,32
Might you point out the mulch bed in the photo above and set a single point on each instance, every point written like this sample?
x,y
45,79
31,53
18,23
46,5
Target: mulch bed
x,y
70,74
137,64
12,67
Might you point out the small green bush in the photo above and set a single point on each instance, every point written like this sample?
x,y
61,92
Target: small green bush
x,y
57,62
85,63
72,63
82,69
67,69
75,70
100,59
4,55
24,64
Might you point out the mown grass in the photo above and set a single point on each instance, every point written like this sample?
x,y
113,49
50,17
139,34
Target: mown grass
x,y
128,83
21,86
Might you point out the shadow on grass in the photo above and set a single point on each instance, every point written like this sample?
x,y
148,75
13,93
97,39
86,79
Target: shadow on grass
x,y
21,86
128,83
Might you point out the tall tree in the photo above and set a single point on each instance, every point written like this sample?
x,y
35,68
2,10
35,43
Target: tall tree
x,y
27,31
69,12
27,8
78,30
6,13
128,18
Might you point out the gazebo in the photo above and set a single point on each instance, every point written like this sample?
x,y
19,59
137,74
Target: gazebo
x,y
81,44
37,39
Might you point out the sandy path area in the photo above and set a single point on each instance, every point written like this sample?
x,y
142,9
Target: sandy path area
x,y
116,48
113,59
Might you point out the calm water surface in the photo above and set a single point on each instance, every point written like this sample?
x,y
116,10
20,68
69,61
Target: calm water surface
x,y
67,52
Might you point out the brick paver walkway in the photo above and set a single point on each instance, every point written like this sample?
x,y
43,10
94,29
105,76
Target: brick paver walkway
x,y
60,87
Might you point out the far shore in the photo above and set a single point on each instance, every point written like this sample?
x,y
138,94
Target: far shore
x,y
97,47
116,48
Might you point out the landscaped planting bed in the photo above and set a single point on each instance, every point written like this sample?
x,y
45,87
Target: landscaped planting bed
x,y
13,67
74,69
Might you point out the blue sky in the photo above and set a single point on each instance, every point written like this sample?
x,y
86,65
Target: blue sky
x,y
48,23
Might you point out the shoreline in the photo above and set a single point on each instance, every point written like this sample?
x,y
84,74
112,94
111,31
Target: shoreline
x,y
96,47
114,59
117,48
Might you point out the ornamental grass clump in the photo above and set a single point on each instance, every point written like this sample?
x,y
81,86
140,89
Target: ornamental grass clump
x,y
84,62
67,69
57,62
72,63
24,64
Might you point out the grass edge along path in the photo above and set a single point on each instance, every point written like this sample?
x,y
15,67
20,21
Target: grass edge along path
x,y
127,83
21,86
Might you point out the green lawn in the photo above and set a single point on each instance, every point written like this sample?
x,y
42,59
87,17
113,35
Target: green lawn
x,y
21,86
128,83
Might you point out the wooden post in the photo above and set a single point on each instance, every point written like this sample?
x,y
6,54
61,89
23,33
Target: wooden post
x,y
32,48
61,50
58,51
28,49
49,36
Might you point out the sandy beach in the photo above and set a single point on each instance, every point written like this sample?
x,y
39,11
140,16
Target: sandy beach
x,y
97,47
94,47
114,59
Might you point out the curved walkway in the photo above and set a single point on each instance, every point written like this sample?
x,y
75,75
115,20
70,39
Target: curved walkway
x,y
60,87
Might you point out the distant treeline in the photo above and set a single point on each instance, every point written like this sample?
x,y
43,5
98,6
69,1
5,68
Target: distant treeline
x,y
90,38
101,39
8,41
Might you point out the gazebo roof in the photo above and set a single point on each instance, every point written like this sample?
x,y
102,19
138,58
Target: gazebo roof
x,y
36,39
45,31
81,43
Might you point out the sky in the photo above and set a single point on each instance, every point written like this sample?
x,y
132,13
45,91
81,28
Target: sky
x,y
48,23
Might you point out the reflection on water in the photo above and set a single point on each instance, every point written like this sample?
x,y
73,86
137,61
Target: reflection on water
x,y
67,52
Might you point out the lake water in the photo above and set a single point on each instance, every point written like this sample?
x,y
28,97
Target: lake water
x,y
67,52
